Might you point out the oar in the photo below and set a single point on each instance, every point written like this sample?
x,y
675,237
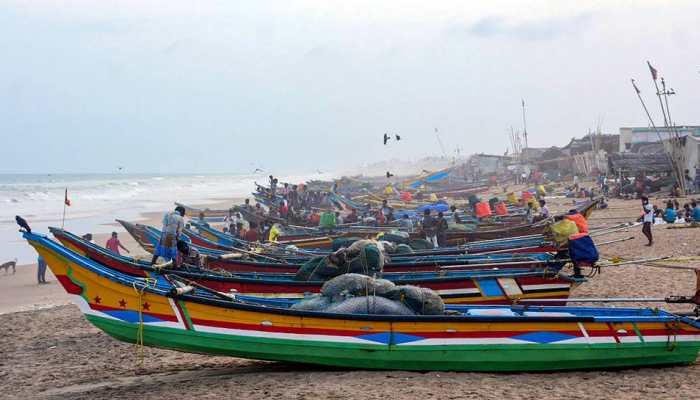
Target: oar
x,y
642,261
508,250
252,253
615,241
494,265
670,299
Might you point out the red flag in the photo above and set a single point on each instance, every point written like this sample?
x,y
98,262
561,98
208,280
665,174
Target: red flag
x,y
66,201
652,70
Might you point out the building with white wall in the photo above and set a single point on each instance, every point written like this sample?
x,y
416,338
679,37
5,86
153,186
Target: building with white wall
x,y
632,138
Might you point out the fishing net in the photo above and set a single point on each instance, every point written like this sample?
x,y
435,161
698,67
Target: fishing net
x,y
403,248
420,244
395,238
362,257
355,285
313,303
370,305
307,269
341,242
421,300
365,256
361,294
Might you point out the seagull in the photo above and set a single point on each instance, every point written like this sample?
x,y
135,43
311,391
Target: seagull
x,y
120,168
23,223
386,138
257,170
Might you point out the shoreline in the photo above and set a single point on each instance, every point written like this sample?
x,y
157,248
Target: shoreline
x,y
22,293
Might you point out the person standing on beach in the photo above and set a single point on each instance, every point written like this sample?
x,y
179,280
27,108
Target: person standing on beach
x,y
41,270
113,244
429,229
173,224
647,220
544,210
441,229
406,223
247,206
231,221
88,237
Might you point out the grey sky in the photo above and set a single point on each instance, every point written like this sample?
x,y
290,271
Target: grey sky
x,y
226,86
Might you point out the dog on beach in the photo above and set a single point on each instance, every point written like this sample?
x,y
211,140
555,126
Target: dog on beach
x,y
10,264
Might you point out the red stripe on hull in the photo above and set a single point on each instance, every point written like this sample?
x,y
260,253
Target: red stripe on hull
x,y
70,287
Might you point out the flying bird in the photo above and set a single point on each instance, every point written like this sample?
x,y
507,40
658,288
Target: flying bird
x,y
257,170
389,174
386,138
120,168
398,137
23,223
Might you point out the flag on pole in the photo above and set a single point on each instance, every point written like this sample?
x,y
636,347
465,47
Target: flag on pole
x,y
65,200
652,70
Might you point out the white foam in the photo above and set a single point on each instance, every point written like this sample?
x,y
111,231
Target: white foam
x,y
99,199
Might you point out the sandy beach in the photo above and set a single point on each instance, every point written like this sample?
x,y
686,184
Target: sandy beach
x,y
55,354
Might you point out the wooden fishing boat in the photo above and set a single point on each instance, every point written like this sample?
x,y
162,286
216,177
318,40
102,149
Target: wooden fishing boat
x,y
478,286
148,237
477,338
522,244
194,212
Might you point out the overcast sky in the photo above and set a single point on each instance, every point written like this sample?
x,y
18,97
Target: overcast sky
x,y
224,87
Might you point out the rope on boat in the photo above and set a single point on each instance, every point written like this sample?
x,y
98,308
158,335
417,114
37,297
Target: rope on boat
x,y
673,328
140,292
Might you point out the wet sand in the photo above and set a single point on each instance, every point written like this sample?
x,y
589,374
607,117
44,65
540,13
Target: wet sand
x,y
56,354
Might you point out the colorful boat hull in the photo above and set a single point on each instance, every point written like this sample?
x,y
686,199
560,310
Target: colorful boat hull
x,y
476,287
479,339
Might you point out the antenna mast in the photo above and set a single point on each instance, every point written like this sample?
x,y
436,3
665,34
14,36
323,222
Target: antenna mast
x,y
524,124
442,148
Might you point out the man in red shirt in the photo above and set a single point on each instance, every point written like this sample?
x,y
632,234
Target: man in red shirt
x,y
113,244
251,234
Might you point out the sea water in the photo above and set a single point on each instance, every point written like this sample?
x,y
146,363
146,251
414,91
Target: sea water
x,y
97,199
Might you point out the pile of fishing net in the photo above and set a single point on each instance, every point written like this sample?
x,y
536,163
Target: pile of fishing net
x,y
393,242
362,257
361,294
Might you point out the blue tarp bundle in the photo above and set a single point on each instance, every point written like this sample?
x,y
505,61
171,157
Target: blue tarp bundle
x,y
582,249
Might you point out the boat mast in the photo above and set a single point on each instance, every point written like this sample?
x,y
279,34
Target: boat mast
x,y
524,125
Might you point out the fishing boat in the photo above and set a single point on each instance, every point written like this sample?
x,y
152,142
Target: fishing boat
x,y
476,338
522,244
478,286
194,212
148,237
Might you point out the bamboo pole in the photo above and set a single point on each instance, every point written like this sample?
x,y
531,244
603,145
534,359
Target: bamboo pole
x,y
615,241
604,300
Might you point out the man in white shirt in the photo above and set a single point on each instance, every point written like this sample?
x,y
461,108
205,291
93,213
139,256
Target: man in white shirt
x,y
173,224
231,221
647,220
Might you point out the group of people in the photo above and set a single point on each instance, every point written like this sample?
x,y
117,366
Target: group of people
x,y
672,213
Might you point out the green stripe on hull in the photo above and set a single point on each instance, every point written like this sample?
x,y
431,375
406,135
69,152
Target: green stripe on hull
x,y
494,358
